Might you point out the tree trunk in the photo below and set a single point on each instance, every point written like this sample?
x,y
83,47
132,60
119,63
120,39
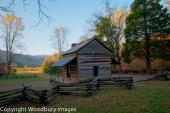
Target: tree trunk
x,y
118,56
120,68
9,69
119,60
147,55
147,44
8,62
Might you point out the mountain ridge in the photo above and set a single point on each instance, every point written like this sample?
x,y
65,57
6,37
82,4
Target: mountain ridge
x,y
23,59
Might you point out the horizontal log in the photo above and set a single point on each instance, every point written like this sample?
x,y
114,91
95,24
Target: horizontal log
x,y
10,93
79,83
10,96
52,91
33,93
33,98
10,100
70,90
109,84
100,64
91,60
92,55
116,78
75,87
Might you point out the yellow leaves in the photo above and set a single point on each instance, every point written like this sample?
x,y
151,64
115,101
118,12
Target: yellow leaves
x,y
9,18
49,60
119,17
118,13
10,21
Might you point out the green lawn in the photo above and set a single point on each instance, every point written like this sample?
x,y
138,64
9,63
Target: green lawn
x,y
148,97
21,80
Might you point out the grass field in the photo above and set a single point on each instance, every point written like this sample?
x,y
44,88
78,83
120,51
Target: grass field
x,y
147,97
21,77
21,80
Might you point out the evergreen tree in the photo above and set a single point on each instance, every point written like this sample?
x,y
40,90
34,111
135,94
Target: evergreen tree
x,y
148,20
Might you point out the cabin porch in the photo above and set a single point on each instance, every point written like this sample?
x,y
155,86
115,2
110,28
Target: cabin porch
x,y
68,67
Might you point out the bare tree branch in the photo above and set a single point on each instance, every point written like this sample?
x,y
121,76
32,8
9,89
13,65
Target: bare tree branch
x,y
41,12
40,6
59,39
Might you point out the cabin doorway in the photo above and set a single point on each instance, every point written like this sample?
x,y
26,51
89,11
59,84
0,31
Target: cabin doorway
x,y
68,71
95,71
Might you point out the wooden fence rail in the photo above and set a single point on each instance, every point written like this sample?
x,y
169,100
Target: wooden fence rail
x,y
10,96
43,97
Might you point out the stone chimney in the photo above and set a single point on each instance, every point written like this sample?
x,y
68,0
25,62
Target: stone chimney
x,y
74,44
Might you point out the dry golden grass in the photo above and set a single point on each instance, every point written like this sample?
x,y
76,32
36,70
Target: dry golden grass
x,y
29,70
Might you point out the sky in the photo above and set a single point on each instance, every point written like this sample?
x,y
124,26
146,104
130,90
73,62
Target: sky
x,y
74,14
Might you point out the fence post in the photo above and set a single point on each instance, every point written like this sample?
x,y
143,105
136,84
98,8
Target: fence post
x,y
25,88
98,85
58,88
43,97
89,90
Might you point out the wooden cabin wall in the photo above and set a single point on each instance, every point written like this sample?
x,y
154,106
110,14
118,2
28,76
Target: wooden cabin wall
x,y
73,66
86,65
73,69
94,54
64,71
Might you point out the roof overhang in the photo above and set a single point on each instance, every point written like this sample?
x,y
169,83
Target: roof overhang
x,y
64,61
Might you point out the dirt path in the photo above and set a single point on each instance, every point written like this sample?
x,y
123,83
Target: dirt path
x,y
10,86
46,84
136,78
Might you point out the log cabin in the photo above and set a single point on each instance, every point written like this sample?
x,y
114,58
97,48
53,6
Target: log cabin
x,y
86,60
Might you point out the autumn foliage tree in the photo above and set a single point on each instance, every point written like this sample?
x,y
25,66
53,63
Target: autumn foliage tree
x,y
48,62
11,27
110,29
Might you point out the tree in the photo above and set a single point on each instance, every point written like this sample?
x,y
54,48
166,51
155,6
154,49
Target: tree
x,y
7,7
59,39
148,20
46,66
131,50
48,62
11,28
110,29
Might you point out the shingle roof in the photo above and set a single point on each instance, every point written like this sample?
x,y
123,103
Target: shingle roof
x,y
77,46
63,61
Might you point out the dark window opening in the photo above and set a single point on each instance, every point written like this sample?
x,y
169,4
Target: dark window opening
x,y
96,70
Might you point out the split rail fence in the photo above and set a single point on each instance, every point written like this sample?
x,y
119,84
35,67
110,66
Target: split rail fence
x,y
43,97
